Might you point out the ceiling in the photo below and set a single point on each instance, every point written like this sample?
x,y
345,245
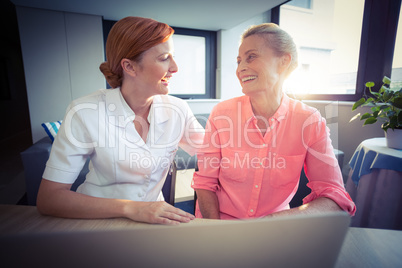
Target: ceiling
x,y
202,14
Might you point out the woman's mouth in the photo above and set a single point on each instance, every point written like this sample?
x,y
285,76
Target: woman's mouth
x,y
248,78
165,80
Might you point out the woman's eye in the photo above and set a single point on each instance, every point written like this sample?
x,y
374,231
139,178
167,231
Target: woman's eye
x,y
164,58
250,57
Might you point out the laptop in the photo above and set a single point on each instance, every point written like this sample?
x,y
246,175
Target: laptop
x,y
292,241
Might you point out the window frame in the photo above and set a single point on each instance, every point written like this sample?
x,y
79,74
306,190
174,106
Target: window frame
x,y
210,62
210,58
376,47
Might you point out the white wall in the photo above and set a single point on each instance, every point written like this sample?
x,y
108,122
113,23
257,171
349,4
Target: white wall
x,y
228,47
60,52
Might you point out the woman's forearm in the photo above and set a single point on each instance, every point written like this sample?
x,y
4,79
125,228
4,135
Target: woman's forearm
x,y
208,204
56,199
319,205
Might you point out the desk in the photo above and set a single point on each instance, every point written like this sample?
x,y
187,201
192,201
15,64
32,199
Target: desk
x,y
375,185
362,247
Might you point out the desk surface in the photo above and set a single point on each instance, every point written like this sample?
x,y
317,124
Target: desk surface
x,y
363,247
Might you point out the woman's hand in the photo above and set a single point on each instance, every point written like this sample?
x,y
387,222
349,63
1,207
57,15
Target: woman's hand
x,y
157,212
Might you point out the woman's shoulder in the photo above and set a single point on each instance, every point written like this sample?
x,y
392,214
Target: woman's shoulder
x,y
230,104
170,100
300,108
93,97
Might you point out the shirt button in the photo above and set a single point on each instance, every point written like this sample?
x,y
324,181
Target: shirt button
x,y
256,186
272,127
272,119
251,210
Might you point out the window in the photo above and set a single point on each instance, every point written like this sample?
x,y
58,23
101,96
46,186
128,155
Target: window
x,y
328,40
190,57
195,54
396,74
342,45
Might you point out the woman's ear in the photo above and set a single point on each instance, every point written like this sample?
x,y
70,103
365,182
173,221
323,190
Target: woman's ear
x,y
128,67
285,62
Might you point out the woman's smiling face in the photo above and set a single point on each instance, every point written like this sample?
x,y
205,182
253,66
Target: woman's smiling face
x,y
258,68
156,68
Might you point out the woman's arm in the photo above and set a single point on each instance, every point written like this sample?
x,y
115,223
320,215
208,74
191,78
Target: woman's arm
x,y
56,199
208,204
319,205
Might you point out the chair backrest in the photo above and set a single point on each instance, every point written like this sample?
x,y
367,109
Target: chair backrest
x,y
169,187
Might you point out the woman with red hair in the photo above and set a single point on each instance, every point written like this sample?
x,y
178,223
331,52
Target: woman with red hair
x,y
130,133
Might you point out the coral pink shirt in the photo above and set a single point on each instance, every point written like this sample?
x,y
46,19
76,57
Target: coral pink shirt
x,y
254,175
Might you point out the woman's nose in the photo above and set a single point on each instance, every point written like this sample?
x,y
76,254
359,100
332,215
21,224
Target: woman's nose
x,y
173,68
241,67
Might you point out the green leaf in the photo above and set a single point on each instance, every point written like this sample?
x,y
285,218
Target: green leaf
x,y
383,107
397,102
393,121
358,103
383,113
354,117
400,118
385,126
378,95
369,100
370,120
391,113
386,80
370,84
365,116
388,94
375,108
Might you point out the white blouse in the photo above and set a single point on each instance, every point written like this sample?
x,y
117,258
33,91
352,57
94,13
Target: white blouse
x,y
122,165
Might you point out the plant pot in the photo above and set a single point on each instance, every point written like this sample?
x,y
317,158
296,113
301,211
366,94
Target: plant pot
x,y
394,138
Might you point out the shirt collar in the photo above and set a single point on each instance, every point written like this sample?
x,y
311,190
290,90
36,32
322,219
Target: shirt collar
x,y
117,106
283,109
160,115
280,113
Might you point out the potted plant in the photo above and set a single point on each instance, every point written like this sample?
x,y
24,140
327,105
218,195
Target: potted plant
x,y
386,108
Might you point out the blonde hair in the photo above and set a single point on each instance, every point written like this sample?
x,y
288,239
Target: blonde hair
x,y
276,39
